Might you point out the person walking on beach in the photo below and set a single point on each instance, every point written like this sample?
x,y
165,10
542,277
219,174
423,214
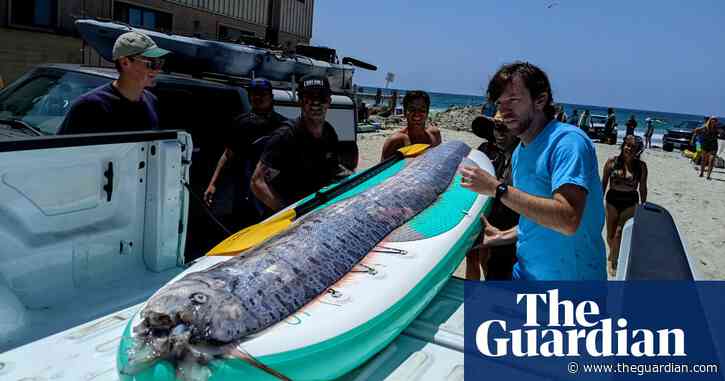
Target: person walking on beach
x,y
585,122
302,156
556,186
496,262
708,134
124,104
626,177
244,145
649,132
415,106
610,125
631,125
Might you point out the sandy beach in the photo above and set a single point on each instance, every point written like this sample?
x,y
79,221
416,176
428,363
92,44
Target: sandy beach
x,y
696,204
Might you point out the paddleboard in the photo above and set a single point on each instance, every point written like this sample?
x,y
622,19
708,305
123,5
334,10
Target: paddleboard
x,y
367,308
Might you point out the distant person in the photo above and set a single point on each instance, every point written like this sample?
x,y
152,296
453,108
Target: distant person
x,y
631,125
626,177
649,123
560,114
585,122
124,104
708,134
556,187
302,156
610,125
243,148
416,105
378,96
496,262
574,118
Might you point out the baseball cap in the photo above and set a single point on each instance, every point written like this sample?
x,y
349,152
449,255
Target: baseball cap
x,y
136,43
260,84
315,83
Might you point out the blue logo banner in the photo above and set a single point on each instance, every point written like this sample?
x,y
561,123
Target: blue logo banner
x,y
594,330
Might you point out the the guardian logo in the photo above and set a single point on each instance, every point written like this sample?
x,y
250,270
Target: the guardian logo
x,y
580,330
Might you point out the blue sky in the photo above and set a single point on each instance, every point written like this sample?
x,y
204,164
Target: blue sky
x,y
655,55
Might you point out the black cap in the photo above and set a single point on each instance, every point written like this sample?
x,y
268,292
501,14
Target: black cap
x,y
315,83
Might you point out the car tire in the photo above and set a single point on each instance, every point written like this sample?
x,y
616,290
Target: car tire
x,y
669,147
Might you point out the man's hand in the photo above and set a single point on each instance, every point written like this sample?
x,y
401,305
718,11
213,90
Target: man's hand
x,y
479,181
492,236
209,194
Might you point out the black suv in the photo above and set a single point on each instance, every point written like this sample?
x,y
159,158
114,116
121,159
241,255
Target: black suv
x,y
680,136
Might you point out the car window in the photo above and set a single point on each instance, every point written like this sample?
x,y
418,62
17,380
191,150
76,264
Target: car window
x,y
42,101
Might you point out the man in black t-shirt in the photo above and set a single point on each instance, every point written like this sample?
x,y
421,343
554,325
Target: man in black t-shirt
x,y
244,145
124,104
301,157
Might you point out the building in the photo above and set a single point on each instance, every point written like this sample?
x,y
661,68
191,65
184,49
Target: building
x,y
40,31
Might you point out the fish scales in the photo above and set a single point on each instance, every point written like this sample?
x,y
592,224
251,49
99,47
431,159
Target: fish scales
x,y
249,293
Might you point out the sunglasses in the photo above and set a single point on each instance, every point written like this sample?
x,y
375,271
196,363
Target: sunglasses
x,y
151,64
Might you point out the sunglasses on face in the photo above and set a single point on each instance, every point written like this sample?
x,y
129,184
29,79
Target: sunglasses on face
x,y
151,64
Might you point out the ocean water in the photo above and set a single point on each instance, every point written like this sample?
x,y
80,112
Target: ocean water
x,y
441,102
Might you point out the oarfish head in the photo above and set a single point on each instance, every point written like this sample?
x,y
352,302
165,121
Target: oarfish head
x,y
192,311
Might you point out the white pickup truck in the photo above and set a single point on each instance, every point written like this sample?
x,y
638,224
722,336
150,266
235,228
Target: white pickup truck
x,y
91,225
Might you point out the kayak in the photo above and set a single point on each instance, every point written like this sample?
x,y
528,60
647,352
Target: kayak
x,y
196,56
364,310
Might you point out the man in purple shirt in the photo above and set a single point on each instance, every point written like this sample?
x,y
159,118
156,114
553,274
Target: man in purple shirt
x,y
124,104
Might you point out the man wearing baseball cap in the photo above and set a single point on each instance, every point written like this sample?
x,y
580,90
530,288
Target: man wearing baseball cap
x,y
124,104
301,157
244,145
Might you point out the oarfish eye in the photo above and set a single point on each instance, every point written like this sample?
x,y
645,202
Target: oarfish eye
x,y
199,298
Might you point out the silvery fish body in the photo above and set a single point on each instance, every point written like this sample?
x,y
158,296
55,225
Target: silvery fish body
x,y
249,293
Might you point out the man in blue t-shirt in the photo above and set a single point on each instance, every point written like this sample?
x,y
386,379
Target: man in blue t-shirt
x,y
556,186
124,104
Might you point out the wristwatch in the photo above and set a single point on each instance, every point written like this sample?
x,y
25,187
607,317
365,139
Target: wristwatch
x,y
501,189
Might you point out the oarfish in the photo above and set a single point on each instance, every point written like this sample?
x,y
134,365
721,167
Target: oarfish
x,y
246,294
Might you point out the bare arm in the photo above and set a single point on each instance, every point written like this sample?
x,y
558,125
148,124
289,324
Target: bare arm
x,y
211,188
605,176
435,136
392,144
643,184
263,191
563,212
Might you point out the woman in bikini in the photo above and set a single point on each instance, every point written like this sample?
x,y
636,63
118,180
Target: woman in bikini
x,y
626,177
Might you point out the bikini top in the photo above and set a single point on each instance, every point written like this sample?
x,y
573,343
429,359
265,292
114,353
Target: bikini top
x,y
620,178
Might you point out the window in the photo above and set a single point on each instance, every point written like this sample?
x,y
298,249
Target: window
x,y
37,13
43,100
142,17
232,34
